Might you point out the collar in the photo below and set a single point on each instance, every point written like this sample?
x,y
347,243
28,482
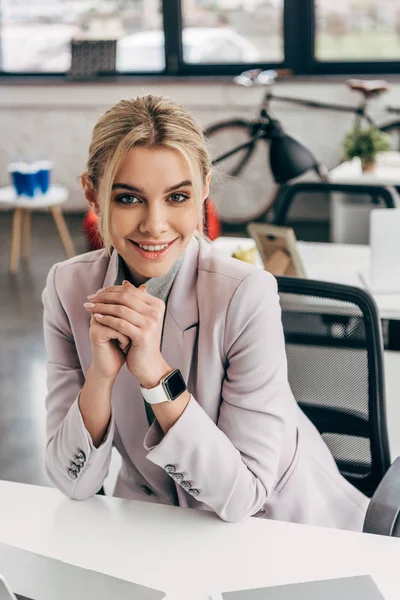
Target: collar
x,y
182,302
159,287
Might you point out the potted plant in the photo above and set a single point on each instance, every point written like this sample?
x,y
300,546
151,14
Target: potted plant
x,y
366,143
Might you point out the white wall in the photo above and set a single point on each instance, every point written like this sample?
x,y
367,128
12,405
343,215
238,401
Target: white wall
x,y
55,121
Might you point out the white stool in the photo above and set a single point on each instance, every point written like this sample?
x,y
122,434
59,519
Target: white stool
x,y
21,229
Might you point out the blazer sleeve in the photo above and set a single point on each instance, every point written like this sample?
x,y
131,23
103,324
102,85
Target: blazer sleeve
x,y
233,466
73,463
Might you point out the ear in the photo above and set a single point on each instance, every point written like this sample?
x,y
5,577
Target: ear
x,y
90,194
206,187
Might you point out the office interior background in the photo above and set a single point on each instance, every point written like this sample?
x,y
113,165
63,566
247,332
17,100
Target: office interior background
x,y
190,50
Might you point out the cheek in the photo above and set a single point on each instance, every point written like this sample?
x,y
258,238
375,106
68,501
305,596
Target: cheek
x,y
188,218
119,221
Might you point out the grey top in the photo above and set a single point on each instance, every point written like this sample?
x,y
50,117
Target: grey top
x,y
159,287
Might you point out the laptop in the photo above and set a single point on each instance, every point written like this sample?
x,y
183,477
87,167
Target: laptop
x,y
6,592
29,576
360,587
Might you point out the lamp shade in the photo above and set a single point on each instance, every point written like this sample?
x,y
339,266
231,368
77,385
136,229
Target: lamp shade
x,y
288,157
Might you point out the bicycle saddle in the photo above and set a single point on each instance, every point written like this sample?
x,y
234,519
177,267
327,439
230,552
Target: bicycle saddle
x,y
372,87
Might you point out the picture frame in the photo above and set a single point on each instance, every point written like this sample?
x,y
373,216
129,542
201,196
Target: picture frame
x,y
277,248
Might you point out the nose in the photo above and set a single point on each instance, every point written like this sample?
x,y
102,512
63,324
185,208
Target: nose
x,y
154,220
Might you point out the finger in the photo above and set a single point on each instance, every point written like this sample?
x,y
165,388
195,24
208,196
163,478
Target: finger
x,y
142,287
104,333
118,311
124,296
141,290
120,325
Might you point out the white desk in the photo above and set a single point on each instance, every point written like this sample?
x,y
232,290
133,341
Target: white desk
x,y
23,206
188,553
349,214
386,172
339,263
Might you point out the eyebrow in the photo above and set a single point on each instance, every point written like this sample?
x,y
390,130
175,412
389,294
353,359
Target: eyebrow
x,y
133,188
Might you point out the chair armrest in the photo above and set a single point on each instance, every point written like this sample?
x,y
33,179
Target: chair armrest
x,y
383,513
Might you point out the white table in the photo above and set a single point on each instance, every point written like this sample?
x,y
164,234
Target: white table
x,y
386,172
339,263
188,553
349,214
23,206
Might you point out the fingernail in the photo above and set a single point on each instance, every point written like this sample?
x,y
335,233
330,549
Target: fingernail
x,y
89,305
98,315
125,281
100,290
91,296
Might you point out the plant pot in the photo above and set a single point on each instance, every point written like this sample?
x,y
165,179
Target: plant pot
x,y
368,165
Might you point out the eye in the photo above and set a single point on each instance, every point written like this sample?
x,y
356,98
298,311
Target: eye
x,y
179,198
126,199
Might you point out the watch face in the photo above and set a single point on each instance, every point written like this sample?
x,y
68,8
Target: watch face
x,y
174,384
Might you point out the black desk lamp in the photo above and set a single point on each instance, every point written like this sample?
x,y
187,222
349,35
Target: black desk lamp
x,y
288,157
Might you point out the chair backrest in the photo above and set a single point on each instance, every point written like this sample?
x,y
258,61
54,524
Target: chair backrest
x,y
334,350
283,210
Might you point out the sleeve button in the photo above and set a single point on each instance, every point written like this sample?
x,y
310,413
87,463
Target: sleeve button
x,y
178,477
170,469
72,474
193,492
80,455
186,485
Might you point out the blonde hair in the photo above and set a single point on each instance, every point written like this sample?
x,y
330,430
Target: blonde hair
x,y
144,121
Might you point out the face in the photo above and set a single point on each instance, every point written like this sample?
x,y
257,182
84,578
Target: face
x,y
152,205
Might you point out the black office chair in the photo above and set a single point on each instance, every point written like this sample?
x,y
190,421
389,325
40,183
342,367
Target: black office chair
x,y
335,367
279,214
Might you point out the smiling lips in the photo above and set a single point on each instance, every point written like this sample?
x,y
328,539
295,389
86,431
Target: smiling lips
x,y
152,254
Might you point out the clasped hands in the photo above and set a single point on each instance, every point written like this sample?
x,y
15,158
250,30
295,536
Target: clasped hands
x,y
138,317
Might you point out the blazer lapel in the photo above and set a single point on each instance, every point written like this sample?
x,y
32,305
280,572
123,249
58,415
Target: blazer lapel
x,y
112,270
182,314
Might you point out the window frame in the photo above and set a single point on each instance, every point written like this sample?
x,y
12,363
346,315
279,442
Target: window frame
x,y
299,30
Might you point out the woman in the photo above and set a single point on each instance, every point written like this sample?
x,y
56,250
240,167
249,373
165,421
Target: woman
x,y
178,358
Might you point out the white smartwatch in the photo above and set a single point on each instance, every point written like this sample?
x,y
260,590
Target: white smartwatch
x,y
169,389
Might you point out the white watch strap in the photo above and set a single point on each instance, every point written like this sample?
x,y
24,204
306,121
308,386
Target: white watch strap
x,y
155,395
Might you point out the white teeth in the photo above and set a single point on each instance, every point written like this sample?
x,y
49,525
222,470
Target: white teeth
x,y
153,248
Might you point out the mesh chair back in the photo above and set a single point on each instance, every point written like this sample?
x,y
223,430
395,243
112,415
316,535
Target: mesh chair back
x,y
335,366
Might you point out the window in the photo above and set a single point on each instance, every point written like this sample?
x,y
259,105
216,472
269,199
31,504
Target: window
x,y
357,30
36,34
232,31
204,37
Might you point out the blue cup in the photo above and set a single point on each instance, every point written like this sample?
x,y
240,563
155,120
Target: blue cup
x,y
29,182
16,171
43,172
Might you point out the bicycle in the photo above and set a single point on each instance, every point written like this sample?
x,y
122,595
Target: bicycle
x,y
235,144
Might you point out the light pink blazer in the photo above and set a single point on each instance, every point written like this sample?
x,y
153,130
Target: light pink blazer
x,y
242,446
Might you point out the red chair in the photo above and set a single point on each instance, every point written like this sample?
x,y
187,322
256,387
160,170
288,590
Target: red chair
x,y
212,225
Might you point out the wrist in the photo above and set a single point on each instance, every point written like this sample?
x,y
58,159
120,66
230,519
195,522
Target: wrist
x,y
99,377
152,380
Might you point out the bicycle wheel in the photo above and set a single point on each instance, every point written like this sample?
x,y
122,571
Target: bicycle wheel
x,y
238,185
393,130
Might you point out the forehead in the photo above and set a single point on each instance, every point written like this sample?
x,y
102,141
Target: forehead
x,y
144,166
